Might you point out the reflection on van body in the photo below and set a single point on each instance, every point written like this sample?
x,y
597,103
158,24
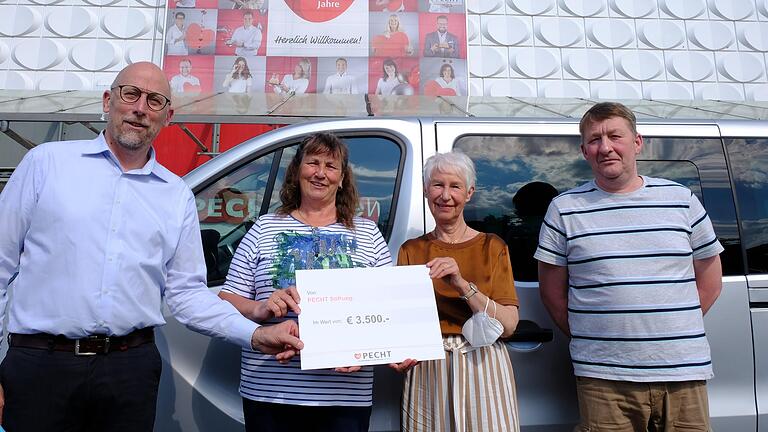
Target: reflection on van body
x,y
520,167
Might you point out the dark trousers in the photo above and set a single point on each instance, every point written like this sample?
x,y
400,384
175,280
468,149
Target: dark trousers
x,y
272,417
57,391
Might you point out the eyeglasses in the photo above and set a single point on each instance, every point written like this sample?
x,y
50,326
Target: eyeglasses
x,y
130,94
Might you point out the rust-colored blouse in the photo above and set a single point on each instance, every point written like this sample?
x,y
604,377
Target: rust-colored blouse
x,y
483,260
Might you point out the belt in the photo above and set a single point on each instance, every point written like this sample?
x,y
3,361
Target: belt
x,y
86,346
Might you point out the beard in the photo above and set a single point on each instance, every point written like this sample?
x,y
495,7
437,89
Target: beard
x,y
131,140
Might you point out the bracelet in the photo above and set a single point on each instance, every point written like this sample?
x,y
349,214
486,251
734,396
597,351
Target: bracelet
x,y
472,291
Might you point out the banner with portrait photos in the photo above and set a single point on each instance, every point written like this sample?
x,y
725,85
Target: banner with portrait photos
x,y
384,47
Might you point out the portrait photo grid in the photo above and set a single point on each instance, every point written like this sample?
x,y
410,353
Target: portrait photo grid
x,y
382,47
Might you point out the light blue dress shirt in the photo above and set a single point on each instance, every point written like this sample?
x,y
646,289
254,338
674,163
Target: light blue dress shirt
x,y
96,249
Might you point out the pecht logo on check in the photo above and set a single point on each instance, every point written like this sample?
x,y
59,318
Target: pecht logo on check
x,y
373,355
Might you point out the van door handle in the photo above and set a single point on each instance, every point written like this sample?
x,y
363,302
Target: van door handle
x,y
528,336
529,331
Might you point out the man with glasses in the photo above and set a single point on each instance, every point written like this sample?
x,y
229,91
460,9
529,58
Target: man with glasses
x,y
96,233
441,42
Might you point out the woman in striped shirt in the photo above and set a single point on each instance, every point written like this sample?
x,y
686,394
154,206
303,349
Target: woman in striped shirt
x,y
314,228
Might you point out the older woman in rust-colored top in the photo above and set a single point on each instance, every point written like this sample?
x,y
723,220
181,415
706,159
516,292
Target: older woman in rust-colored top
x,y
473,388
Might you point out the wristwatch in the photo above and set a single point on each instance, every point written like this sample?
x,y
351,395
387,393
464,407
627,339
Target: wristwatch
x,y
472,291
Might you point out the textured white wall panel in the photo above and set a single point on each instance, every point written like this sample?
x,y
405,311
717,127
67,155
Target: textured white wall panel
x,y
534,63
683,9
95,55
639,65
690,65
740,67
126,23
752,35
157,51
756,92
38,54
563,89
583,8
507,30
712,35
514,88
668,90
660,34
71,22
587,64
137,53
485,6
19,20
633,8
76,44
617,33
486,61
559,32
45,2
616,90
160,27
103,2
102,80
13,80
62,80
762,8
532,7
708,91
4,52
473,26
151,3
732,10
475,87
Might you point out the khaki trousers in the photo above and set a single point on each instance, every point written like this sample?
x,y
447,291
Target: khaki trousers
x,y
642,406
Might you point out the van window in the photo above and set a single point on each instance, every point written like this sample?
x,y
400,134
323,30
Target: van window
x,y
749,168
517,177
229,205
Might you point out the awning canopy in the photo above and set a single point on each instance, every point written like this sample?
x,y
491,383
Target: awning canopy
x,y
85,106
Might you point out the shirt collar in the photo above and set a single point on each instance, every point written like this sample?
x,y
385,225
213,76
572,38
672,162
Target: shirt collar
x,y
152,167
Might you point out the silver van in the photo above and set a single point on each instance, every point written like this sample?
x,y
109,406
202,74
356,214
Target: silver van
x,y
725,163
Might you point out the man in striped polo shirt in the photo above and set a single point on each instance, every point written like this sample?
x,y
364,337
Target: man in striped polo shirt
x,y
628,266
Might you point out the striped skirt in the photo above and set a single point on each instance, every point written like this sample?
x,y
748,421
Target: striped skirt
x,y
469,391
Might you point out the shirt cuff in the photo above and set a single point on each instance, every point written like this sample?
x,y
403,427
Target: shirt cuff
x,y
241,332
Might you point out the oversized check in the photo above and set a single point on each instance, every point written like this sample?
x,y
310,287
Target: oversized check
x,y
367,316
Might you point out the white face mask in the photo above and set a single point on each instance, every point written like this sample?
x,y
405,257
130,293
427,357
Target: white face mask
x,y
482,330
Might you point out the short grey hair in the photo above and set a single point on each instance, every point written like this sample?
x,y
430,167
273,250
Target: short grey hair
x,y
452,162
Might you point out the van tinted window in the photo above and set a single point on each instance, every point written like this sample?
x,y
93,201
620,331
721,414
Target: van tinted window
x,y
517,177
749,168
230,204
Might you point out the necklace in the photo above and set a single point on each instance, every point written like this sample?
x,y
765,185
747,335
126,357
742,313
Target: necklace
x,y
452,241
306,220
